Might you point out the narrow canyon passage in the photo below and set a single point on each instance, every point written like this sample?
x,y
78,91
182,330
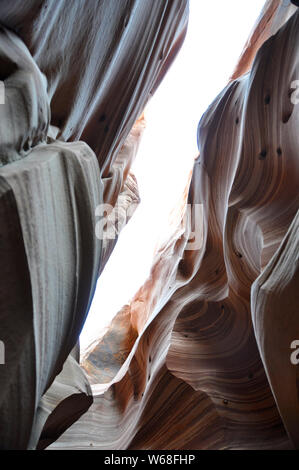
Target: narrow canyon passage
x,y
167,149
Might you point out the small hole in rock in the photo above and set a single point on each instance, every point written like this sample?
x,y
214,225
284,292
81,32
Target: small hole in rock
x,y
263,154
267,99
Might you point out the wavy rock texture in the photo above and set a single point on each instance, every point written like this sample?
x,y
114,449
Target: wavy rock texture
x,y
274,14
64,402
50,262
81,73
274,304
25,116
206,369
102,69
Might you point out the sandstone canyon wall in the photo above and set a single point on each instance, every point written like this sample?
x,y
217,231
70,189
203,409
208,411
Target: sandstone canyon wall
x,y
76,80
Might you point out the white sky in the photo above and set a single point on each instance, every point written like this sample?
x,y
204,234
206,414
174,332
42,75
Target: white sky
x,y
216,35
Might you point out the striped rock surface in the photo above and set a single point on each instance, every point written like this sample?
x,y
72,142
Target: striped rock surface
x,y
76,80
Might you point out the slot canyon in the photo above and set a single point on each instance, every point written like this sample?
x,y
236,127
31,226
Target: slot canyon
x,y
200,357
